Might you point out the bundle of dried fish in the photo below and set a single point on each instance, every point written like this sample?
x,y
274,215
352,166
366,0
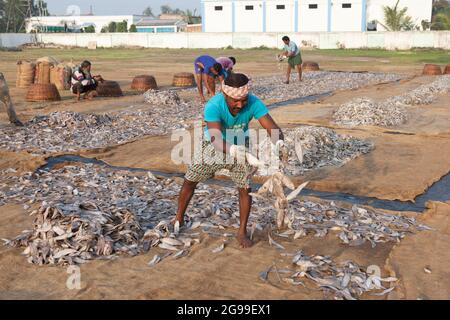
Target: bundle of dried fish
x,y
158,97
365,111
346,280
83,232
275,186
312,148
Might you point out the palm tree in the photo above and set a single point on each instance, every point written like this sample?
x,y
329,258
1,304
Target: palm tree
x,y
148,12
396,19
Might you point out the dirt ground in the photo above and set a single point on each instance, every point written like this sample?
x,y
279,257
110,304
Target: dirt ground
x,y
406,161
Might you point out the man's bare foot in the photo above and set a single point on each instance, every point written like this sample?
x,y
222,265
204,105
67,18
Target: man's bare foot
x,y
286,82
244,241
179,219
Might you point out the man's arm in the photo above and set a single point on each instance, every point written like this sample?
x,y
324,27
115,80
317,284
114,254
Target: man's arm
x,y
272,128
215,133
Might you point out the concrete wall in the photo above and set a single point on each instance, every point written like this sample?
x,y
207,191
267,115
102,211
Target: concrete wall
x,y
280,20
321,40
212,15
346,19
311,20
248,20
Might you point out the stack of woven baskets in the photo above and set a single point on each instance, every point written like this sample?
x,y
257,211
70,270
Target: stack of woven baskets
x,y
144,83
43,92
447,69
432,70
109,89
25,73
310,66
60,76
183,79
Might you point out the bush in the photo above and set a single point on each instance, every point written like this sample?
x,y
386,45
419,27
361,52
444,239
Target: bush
x,y
133,28
122,26
90,29
112,27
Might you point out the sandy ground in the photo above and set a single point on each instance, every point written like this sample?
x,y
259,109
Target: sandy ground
x,y
406,161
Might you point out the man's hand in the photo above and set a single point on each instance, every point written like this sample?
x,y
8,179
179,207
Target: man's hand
x,y
241,155
281,150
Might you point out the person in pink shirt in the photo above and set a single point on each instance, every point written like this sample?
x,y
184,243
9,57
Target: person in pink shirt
x,y
227,63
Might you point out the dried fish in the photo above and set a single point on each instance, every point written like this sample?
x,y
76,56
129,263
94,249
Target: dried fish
x,y
219,248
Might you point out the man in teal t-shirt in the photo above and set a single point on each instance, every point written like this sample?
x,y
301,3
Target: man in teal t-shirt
x,y
292,52
227,116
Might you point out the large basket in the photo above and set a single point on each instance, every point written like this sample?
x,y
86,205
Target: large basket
x,y
310,66
25,74
43,72
109,89
144,83
60,76
183,79
432,70
43,92
447,69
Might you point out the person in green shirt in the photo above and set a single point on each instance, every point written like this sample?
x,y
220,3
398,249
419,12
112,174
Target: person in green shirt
x,y
292,52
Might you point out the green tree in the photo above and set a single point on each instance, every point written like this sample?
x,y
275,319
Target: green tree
x,y
148,12
440,22
122,26
14,12
441,15
396,19
89,29
105,29
166,9
112,27
133,28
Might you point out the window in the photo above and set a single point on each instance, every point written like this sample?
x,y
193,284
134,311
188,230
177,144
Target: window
x,y
248,7
280,7
218,8
165,29
346,5
312,6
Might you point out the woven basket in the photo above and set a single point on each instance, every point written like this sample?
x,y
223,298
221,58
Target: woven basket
x,y
432,70
43,92
183,79
144,83
310,66
50,60
109,89
447,69
25,74
42,73
60,76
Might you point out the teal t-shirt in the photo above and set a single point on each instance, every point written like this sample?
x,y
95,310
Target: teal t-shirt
x,y
234,129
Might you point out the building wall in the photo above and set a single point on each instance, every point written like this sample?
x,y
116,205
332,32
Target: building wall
x,y
329,15
278,20
313,19
418,9
218,20
248,20
322,40
346,19
98,21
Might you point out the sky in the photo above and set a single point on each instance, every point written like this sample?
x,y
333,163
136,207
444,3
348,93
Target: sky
x,y
112,7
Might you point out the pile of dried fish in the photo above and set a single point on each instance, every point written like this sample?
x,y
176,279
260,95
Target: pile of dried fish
x,y
346,280
158,97
71,131
392,111
73,235
365,111
311,148
315,83
425,94
153,204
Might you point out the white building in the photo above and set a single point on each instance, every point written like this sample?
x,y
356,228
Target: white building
x,y
74,22
302,15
